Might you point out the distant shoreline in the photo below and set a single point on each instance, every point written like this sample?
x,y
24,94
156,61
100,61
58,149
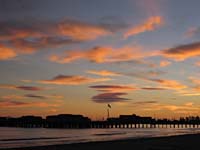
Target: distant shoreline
x,y
179,142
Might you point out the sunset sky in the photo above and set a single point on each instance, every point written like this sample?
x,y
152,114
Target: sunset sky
x,y
77,56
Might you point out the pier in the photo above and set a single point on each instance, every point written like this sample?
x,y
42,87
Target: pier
x,y
70,121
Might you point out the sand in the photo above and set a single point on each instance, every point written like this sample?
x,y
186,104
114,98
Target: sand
x,y
181,142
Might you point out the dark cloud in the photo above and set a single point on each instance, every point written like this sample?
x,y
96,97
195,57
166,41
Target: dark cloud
x,y
182,52
72,80
5,103
152,88
11,103
35,44
182,48
114,88
35,96
122,88
144,102
29,88
145,75
109,97
17,103
19,29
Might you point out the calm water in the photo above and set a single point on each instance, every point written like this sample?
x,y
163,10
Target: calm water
x,y
22,137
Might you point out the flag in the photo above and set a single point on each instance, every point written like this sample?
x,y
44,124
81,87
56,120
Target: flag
x,y
109,105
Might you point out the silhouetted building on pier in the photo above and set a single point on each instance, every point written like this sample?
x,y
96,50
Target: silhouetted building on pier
x,y
131,119
30,121
24,121
67,121
3,121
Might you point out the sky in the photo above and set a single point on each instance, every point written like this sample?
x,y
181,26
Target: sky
x,y
78,56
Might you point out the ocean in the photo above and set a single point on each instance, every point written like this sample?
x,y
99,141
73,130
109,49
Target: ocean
x,y
27,137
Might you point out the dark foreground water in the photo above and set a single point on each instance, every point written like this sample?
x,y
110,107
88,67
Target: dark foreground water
x,y
26,137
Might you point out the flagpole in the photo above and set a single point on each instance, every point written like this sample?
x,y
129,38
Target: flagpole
x,y
108,110
108,113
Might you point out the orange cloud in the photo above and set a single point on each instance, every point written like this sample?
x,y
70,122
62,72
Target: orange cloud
x,y
101,55
193,90
103,73
81,31
164,84
23,46
191,93
164,63
74,29
9,97
20,30
196,87
7,86
150,24
71,28
29,36
189,104
185,108
6,53
72,80
169,84
194,80
98,54
182,52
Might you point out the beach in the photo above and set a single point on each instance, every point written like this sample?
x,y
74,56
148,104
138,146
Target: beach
x,y
180,142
